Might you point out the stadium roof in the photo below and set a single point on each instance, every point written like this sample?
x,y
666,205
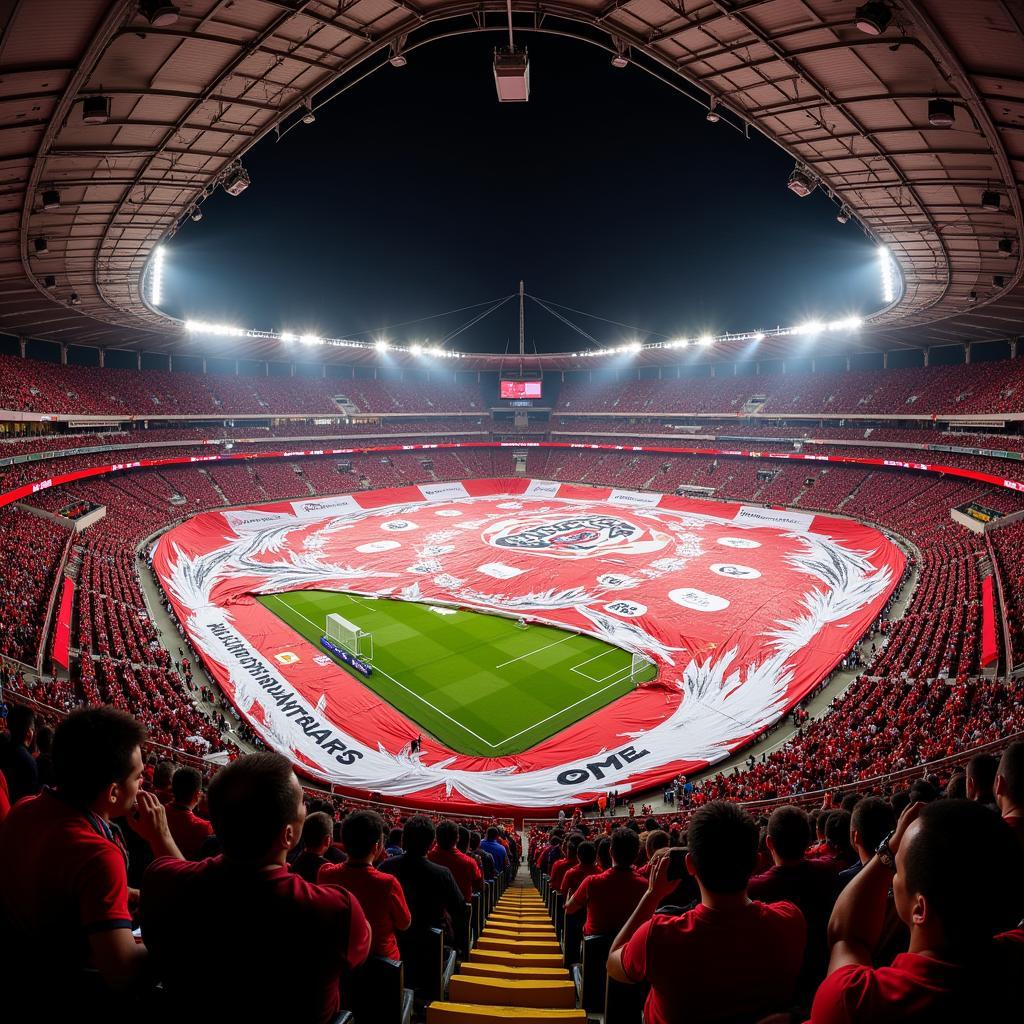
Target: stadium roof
x,y
187,99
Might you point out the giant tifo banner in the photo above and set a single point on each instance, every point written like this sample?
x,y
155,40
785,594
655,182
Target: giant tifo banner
x,y
743,609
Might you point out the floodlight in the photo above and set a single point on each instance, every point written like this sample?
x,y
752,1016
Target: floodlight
x,y
843,216
50,199
225,330
381,345
41,246
873,18
311,339
811,327
887,268
195,214
620,60
236,181
158,13
156,277
990,201
634,347
287,336
512,75
712,116
309,117
941,113
397,58
415,349
678,343
74,299
758,336
1005,246
50,282
706,339
96,110
801,182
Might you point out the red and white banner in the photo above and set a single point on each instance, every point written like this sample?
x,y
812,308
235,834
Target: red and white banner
x,y
62,632
743,609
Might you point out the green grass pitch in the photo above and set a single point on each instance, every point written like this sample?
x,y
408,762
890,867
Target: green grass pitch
x,y
479,683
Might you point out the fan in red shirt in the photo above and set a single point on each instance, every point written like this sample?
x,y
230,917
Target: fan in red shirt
x,y
189,830
569,860
284,956
1009,788
730,958
464,869
586,856
380,895
957,878
64,897
611,896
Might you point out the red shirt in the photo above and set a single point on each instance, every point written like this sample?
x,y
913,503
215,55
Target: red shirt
x,y
281,959
64,877
921,988
188,830
717,964
381,897
574,876
558,870
610,898
465,870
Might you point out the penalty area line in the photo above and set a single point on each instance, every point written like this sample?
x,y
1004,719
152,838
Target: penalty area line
x,y
412,693
530,654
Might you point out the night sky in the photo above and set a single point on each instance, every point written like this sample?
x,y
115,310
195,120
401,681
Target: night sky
x,y
416,192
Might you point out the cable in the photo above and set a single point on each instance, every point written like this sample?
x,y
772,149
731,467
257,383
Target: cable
x,y
432,316
594,316
566,321
475,320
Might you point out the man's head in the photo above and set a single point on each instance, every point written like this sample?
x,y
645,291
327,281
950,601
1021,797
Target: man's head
x,y
1009,787
418,835
97,759
362,834
837,832
959,877
656,840
317,832
186,786
789,834
163,774
981,777
462,843
394,838
723,847
492,833
625,847
256,808
447,835
604,852
474,841
21,724
572,844
651,824
872,820
586,853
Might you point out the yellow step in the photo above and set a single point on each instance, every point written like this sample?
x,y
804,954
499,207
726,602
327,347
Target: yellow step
x,y
520,918
527,934
469,1013
549,995
500,971
500,956
519,945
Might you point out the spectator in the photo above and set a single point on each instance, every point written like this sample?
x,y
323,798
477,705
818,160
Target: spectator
x,y
317,833
604,853
838,853
485,860
393,847
163,776
379,894
44,759
552,852
494,847
189,830
1009,788
466,872
729,957
981,779
16,760
65,897
810,884
586,857
431,892
569,860
956,876
872,820
610,897
257,811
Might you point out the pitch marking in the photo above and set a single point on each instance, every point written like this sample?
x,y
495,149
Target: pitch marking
x,y
530,654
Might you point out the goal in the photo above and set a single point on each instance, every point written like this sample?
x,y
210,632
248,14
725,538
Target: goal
x,y
348,635
639,666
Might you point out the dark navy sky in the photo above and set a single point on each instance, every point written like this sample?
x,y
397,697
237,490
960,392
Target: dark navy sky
x,y
416,192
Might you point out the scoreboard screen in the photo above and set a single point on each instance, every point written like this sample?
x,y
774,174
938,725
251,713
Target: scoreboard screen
x,y
520,389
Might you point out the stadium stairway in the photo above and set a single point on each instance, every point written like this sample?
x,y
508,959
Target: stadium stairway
x,y
515,971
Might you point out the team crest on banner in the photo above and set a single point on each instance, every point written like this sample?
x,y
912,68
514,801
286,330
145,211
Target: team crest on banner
x,y
558,535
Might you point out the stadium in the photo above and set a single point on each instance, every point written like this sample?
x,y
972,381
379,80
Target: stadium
x,y
698,615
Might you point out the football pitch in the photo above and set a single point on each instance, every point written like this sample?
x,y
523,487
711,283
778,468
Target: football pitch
x,y
481,684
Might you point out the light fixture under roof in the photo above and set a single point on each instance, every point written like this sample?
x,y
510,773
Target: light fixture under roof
x,y
159,13
41,246
236,181
713,116
49,282
95,109
50,199
1005,246
620,60
843,216
801,182
990,201
308,117
195,214
873,18
74,299
941,113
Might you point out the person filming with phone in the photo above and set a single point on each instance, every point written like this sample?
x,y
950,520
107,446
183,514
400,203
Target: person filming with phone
x,y
730,957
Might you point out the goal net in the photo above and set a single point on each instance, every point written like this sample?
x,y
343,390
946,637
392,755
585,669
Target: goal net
x,y
348,635
640,669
